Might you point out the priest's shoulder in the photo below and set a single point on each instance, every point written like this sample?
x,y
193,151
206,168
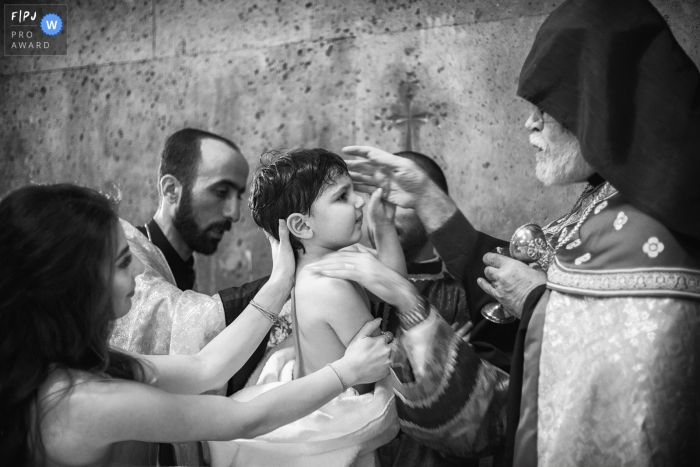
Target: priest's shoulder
x,y
621,250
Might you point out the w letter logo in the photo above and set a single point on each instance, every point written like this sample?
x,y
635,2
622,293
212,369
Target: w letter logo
x,y
51,24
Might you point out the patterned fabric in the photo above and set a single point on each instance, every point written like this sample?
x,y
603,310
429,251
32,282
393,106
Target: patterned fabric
x,y
456,404
282,328
626,392
611,370
163,319
621,251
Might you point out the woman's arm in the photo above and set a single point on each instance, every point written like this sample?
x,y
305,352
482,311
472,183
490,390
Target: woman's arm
x,y
214,365
97,414
227,352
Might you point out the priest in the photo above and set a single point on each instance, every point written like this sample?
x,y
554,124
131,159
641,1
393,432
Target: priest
x,y
605,368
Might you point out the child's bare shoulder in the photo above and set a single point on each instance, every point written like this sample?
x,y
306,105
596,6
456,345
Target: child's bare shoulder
x,y
338,303
309,283
320,293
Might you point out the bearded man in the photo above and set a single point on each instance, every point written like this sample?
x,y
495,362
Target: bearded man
x,y
202,178
605,368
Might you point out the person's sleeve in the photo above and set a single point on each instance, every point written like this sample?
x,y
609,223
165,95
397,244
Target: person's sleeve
x,y
235,300
516,373
462,248
454,402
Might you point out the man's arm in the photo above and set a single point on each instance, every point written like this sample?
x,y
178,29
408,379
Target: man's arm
x,y
458,243
457,402
404,184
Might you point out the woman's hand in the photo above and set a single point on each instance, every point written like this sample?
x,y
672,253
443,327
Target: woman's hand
x,y
363,268
367,359
283,263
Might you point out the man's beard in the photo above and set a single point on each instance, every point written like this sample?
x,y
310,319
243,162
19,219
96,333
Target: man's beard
x,y
567,166
412,242
195,237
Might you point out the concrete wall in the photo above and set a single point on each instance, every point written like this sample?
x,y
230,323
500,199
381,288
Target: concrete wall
x,y
279,74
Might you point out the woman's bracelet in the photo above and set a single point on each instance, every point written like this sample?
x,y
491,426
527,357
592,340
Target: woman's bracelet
x,y
265,313
337,373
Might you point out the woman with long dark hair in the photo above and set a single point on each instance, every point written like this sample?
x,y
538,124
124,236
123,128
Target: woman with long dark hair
x,y
67,398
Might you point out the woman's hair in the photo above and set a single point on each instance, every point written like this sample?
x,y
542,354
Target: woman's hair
x,y
290,182
56,255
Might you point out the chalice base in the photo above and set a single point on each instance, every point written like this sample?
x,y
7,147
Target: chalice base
x,y
495,312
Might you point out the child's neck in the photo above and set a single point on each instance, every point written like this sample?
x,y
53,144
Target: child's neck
x,y
313,253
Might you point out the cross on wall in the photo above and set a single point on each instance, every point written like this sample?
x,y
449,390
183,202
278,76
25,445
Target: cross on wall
x,y
411,117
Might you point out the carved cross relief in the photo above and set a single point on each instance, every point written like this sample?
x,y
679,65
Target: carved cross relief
x,y
408,116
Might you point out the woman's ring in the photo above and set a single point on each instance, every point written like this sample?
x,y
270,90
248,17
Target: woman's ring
x,y
388,336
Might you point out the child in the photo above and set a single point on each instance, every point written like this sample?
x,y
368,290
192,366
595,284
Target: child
x,y
312,190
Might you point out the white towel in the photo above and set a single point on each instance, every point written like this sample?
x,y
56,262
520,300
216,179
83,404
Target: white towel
x,y
345,432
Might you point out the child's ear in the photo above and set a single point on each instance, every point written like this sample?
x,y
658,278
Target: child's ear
x,y
297,225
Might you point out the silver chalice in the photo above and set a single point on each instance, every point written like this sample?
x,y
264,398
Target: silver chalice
x,y
528,245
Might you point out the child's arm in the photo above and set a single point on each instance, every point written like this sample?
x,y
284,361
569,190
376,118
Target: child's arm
x,y
381,216
343,306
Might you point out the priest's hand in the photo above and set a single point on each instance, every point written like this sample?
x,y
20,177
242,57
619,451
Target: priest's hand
x,y
402,181
510,281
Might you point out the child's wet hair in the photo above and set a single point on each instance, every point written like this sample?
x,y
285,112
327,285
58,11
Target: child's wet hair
x,y
289,182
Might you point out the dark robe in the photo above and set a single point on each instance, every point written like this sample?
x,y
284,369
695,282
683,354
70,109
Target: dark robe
x,y
235,300
183,270
458,299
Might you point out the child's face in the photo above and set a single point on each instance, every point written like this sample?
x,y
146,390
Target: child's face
x,y
336,215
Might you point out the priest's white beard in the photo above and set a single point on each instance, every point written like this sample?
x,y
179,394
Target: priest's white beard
x,y
561,163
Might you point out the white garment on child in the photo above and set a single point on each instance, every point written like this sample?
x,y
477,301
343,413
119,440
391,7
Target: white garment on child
x,y
345,432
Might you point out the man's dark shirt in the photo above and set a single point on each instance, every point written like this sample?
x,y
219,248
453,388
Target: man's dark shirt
x,y
235,300
183,271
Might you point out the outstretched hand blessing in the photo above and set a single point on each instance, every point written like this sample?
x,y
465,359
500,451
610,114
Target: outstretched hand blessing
x,y
400,178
